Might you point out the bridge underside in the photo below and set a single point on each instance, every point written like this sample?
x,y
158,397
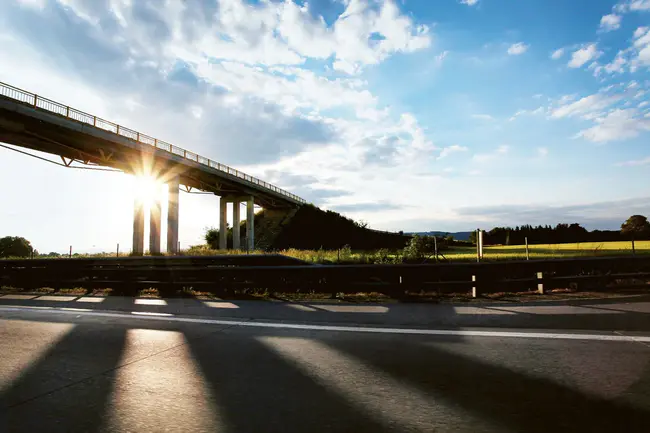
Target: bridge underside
x,y
53,134
32,128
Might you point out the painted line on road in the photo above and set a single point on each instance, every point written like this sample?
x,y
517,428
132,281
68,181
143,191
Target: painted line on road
x,y
136,315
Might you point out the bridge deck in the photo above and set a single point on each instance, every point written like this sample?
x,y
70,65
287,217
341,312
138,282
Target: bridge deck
x,y
30,121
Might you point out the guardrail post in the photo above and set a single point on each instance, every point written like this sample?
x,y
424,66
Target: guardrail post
x,y
118,129
67,111
474,287
137,134
540,283
94,120
35,101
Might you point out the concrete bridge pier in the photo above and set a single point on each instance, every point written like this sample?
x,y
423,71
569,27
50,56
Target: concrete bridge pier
x,y
236,213
155,218
223,223
172,215
236,241
138,227
250,223
154,225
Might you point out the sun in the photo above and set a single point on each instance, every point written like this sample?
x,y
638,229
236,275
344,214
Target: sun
x,y
146,189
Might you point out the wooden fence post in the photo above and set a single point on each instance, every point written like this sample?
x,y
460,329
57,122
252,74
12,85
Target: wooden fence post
x,y
527,253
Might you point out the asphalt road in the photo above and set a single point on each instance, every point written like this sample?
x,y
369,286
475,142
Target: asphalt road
x,y
78,371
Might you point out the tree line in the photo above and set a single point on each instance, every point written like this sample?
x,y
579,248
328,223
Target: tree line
x,y
636,227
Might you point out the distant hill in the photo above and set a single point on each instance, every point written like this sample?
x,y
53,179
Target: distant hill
x,y
459,236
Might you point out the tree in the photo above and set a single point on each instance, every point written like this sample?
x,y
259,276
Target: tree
x,y
212,237
636,227
421,246
15,246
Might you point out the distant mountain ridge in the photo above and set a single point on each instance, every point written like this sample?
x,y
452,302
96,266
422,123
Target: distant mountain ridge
x,y
459,236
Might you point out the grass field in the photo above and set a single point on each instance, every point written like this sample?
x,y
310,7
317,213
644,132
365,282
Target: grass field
x,y
549,251
454,254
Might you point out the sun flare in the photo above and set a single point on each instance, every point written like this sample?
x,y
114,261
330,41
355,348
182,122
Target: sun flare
x,y
146,188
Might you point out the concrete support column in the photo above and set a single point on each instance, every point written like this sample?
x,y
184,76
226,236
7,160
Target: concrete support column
x,y
223,226
138,227
236,244
154,225
250,223
172,215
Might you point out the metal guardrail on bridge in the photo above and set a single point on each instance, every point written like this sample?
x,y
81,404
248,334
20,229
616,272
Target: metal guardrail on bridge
x,y
79,116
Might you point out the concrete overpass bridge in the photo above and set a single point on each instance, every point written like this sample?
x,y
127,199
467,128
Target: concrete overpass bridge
x,y
31,121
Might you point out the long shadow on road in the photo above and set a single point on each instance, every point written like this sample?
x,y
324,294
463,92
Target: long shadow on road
x,y
34,402
258,391
254,388
500,395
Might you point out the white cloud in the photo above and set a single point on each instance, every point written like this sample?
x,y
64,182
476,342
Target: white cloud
x,y
441,57
469,2
584,55
542,152
617,125
234,74
635,163
642,46
586,105
455,148
557,54
615,66
496,153
632,6
640,5
38,4
536,111
482,117
640,32
518,48
610,22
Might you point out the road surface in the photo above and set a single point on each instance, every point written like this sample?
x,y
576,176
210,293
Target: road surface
x,y
65,369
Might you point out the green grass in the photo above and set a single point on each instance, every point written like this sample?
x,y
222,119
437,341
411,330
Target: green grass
x,y
454,254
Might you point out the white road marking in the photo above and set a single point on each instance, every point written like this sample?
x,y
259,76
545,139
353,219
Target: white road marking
x,y
219,304
337,328
147,301
91,299
56,298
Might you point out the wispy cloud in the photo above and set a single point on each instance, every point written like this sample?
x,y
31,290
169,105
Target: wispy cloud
x,y
518,49
455,148
635,163
588,104
482,117
620,124
441,57
498,152
584,55
557,54
610,22
469,2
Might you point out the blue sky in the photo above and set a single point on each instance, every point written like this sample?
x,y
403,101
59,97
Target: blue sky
x,y
411,115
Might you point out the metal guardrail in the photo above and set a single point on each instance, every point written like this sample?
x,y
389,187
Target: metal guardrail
x,y
79,116
275,273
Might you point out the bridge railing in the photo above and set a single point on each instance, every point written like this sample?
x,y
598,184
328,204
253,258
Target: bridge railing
x,y
79,116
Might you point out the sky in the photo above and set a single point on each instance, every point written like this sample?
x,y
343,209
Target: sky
x,y
411,115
